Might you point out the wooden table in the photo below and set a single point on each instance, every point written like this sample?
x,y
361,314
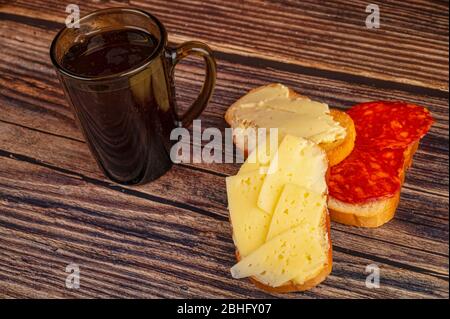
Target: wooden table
x,y
171,237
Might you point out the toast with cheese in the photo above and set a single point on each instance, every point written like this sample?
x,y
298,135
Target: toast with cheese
x,y
277,106
280,221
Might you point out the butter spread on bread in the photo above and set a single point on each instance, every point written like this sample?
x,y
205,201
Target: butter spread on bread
x,y
274,107
288,209
277,106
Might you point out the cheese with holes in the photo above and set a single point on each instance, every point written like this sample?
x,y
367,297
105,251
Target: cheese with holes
x,y
297,206
278,213
250,224
296,254
297,161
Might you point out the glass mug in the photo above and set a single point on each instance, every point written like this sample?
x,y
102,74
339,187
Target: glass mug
x,y
126,117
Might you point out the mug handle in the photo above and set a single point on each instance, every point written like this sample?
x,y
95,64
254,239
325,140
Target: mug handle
x,y
199,49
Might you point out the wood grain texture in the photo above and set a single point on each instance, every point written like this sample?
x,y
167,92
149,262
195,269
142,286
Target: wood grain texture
x,y
171,238
65,219
410,46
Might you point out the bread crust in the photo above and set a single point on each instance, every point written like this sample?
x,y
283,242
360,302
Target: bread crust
x,y
373,213
339,150
310,283
409,154
336,151
372,220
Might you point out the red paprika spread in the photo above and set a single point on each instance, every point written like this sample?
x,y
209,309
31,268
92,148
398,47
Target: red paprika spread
x,y
374,169
366,175
389,124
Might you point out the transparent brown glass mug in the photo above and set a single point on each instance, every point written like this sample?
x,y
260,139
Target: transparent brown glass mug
x,y
126,118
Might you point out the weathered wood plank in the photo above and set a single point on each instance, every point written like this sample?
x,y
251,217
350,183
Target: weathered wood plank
x,y
34,75
410,47
45,107
190,189
40,103
137,248
21,40
178,233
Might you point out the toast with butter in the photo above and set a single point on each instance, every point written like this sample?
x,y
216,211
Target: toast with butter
x,y
277,106
280,221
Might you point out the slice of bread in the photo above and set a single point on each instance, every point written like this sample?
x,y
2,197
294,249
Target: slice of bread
x,y
365,188
336,150
375,212
296,253
371,214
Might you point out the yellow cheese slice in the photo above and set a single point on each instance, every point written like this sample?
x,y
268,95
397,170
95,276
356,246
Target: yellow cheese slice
x,y
297,206
297,161
250,224
296,254
260,158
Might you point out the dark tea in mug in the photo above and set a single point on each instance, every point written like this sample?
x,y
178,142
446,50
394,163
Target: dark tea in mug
x,y
125,125
117,72
109,52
